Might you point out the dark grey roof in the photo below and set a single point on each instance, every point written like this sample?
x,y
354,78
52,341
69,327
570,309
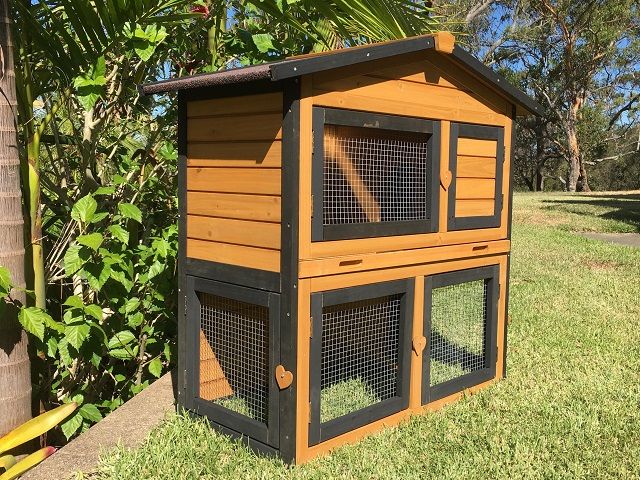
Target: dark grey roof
x,y
312,63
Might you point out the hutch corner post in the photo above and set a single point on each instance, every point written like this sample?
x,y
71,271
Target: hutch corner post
x,y
345,223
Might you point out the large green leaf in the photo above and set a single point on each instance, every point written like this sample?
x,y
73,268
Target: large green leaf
x,y
91,240
84,209
155,367
129,210
121,339
33,320
90,412
72,425
76,333
73,260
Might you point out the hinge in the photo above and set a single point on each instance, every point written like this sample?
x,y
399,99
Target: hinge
x,y
310,327
184,379
502,202
313,142
309,414
311,206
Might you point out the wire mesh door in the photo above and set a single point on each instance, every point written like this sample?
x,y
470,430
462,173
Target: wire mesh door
x,y
233,355
359,356
460,321
373,174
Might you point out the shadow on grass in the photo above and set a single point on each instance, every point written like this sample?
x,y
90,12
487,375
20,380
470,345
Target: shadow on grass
x,y
621,208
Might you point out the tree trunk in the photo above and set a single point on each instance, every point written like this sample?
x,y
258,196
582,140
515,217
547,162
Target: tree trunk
x,y
583,181
15,376
572,142
538,179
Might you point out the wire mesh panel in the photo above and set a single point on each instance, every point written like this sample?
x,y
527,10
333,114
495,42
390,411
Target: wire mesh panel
x,y
373,174
460,318
357,356
360,343
234,355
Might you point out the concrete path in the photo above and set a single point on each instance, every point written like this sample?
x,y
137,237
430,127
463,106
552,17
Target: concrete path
x,y
629,239
128,425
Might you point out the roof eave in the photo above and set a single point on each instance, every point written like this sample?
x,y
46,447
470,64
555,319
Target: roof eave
x,y
497,81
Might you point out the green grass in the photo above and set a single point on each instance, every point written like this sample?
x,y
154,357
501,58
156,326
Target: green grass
x,y
236,404
345,397
615,212
569,407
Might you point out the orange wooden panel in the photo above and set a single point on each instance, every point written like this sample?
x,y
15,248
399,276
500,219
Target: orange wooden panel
x,y
331,282
476,147
241,255
265,126
234,180
230,205
403,242
475,208
415,382
475,188
238,232
475,167
376,261
412,104
261,103
213,383
421,67
461,78
443,190
424,94
235,154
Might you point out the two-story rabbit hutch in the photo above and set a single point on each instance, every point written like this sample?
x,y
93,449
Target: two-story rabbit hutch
x,y
344,239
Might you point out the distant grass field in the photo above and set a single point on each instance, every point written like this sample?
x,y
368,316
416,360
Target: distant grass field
x,y
569,408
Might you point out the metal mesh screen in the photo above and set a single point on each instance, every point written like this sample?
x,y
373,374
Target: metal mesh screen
x,y
374,175
360,346
458,323
234,355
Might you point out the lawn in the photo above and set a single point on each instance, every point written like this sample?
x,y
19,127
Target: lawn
x,y
569,408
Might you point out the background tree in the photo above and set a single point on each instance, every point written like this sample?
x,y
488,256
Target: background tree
x,y
15,379
577,59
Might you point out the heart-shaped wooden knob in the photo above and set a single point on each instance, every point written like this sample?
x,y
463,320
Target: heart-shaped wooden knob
x,y
445,179
284,377
418,345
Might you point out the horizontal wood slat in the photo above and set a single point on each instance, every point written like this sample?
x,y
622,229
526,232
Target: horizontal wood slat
x,y
234,180
265,102
229,205
401,90
240,255
239,232
475,188
375,261
474,208
264,126
412,105
476,167
477,148
235,154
